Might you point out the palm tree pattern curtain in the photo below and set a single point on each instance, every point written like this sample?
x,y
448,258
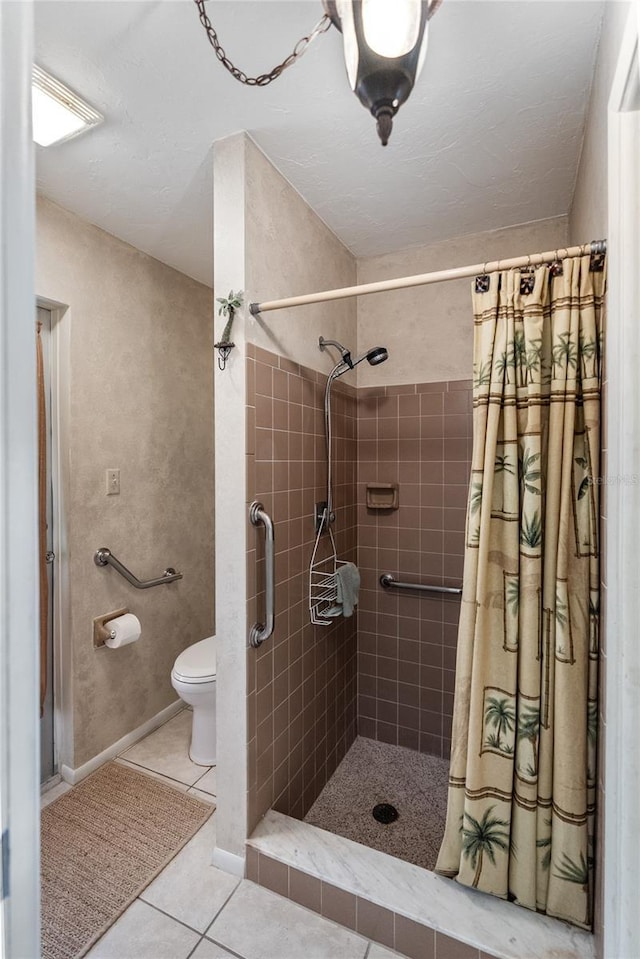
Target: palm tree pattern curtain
x,y
520,820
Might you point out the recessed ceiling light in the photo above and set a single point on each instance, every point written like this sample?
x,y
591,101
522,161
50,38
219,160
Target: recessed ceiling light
x,y
58,113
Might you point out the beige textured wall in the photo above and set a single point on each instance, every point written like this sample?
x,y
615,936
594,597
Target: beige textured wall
x,y
588,214
428,330
588,220
141,399
290,251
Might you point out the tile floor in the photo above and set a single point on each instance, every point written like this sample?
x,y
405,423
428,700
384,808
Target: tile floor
x,y
193,910
164,754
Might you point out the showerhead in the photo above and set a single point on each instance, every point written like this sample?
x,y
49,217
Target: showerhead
x,y
377,355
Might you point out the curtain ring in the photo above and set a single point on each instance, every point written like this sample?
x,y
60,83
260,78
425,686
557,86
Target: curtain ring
x,y
483,281
556,268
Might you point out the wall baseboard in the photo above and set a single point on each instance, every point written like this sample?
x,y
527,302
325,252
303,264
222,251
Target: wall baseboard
x,y
50,784
74,776
228,862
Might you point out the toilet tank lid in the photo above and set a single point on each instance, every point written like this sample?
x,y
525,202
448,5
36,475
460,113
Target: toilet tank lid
x,y
197,661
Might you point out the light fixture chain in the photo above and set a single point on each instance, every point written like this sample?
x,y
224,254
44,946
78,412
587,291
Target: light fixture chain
x,y
264,78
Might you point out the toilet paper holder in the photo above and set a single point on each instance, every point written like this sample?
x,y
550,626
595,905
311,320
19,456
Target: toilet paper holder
x,y
101,631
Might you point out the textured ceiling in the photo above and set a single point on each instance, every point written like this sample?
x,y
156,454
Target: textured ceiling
x,y
490,136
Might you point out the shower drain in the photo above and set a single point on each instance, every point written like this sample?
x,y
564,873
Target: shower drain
x,y
385,813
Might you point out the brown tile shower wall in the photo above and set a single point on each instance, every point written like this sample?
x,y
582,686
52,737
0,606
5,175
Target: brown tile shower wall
x,y
302,681
420,437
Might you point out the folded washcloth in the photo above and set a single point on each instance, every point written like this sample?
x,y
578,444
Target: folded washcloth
x,y
332,612
347,586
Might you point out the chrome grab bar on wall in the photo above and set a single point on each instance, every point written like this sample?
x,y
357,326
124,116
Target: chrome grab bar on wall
x,y
388,582
261,631
104,557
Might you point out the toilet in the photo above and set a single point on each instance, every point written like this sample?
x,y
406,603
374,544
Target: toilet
x,y
194,679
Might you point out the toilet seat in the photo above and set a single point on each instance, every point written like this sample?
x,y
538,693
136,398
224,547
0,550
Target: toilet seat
x,y
197,663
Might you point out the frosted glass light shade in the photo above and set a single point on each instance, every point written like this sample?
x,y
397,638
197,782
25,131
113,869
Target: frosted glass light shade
x,y
391,27
385,44
351,55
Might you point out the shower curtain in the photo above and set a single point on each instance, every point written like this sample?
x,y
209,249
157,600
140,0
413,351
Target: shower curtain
x,y
520,819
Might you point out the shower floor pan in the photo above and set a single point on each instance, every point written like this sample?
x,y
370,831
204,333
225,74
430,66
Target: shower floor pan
x,y
374,773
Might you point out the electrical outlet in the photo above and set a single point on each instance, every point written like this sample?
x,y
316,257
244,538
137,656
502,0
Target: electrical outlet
x,y
113,482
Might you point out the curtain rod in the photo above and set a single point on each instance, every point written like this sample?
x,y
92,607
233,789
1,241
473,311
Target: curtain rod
x,y
422,279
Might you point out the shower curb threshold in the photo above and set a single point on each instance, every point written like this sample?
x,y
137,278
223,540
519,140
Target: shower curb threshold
x,y
498,928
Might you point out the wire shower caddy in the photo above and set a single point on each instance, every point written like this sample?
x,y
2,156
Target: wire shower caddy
x,y
323,589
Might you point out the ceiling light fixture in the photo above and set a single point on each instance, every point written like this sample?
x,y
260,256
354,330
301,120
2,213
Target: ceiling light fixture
x,y
385,44
57,112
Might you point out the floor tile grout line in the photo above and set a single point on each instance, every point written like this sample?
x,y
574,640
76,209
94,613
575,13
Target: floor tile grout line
x,y
169,916
122,755
201,792
194,948
206,791
151,770
209,768
232,952
224,904
312,912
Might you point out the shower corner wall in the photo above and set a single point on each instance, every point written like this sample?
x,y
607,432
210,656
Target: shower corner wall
x,y
420,437
302,682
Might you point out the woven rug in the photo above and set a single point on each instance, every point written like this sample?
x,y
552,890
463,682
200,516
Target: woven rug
x,y
102,843
372,773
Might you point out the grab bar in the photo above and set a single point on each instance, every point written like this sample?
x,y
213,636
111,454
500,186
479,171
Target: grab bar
x,y
104,557
388,582
261,631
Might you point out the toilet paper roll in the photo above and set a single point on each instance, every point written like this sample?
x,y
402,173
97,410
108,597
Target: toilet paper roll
x,y
127,630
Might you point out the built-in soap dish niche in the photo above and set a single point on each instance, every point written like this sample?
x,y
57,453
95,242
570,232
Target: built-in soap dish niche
x,y
383,496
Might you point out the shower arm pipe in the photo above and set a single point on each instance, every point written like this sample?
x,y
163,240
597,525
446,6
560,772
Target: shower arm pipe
x,y
424,279
104,557
335,373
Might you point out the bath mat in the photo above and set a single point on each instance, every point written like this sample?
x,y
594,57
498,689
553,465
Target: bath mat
x,y
376,774
102,843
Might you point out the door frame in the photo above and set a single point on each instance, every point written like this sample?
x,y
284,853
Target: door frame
x,y
19,604
61,477
622,595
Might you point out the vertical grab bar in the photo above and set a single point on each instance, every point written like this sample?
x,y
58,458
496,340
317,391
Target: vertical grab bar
x,y
261,631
